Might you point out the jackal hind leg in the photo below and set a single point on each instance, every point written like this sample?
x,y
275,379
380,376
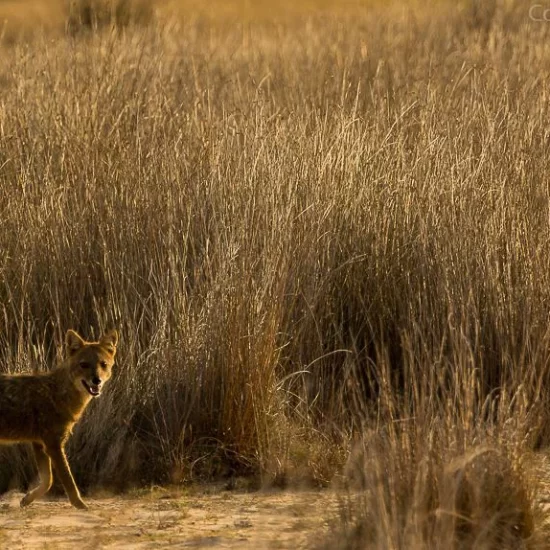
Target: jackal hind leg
x,y
44,472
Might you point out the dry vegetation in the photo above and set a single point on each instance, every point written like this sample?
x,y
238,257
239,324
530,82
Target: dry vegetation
x,y
317,234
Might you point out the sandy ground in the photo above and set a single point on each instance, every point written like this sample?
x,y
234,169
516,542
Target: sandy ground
x,y
163,518
201,517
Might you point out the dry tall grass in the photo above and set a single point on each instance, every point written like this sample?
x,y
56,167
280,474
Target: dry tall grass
x,y
306,230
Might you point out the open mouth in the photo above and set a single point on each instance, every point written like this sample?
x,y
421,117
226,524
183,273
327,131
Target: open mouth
x,y
93,389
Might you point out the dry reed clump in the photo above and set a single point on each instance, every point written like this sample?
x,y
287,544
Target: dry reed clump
x,y
440,476
408,497
302,228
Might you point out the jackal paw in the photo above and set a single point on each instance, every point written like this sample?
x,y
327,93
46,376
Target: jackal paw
x,y
25,501
80,505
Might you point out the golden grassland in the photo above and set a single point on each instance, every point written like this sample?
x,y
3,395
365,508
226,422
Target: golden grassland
x,y
324,239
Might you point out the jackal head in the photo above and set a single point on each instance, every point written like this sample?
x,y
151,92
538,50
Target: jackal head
x,y
90,363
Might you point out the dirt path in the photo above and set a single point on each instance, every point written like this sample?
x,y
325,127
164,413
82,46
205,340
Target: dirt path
x,y
165,518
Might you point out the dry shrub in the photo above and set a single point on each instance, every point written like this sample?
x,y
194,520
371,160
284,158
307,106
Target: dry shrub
x,y
94,14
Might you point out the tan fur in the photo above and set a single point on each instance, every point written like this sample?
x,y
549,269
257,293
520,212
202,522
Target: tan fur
x,y
43,408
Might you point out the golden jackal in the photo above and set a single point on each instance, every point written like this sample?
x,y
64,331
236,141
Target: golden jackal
x,y
43,408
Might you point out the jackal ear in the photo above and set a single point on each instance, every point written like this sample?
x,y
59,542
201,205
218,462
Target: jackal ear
x,y
110,340
73,342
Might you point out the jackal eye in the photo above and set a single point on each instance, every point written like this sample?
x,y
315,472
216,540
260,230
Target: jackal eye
x,y
103,364
84,365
